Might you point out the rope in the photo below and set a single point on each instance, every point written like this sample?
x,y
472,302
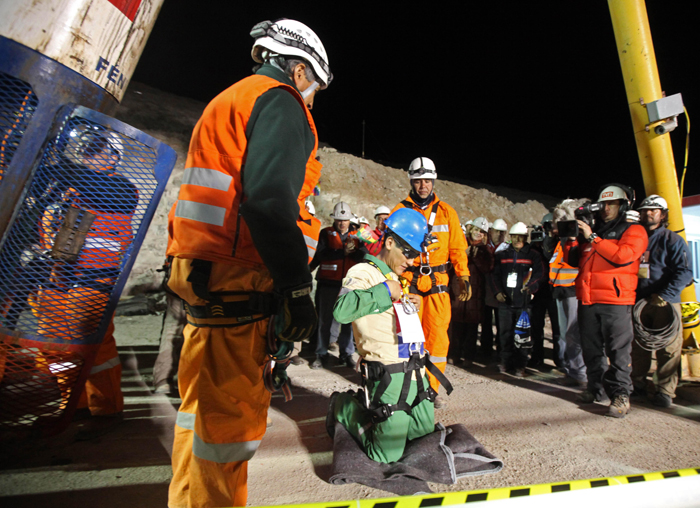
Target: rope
x,y
653,339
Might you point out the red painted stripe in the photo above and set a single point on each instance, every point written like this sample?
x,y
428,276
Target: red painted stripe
x,y
128,7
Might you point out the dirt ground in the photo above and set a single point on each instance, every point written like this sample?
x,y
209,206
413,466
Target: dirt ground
x,y
532,424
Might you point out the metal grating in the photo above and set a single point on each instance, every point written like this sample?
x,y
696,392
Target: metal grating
x,y
17,105
61,260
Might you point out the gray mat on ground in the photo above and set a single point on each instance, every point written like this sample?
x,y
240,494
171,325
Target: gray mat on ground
x,y
441,457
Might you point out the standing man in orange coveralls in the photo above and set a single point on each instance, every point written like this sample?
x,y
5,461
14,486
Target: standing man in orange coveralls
x,y
428,276
250,166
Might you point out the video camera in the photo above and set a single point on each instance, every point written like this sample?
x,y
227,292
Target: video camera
x,y
585,212
537,234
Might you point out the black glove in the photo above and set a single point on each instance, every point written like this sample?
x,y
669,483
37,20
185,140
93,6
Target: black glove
x,y
296,314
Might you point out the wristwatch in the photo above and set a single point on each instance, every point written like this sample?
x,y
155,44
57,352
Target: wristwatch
x,y
592,237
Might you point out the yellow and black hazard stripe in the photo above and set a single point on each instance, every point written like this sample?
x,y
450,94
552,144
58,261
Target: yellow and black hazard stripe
x,y
458,498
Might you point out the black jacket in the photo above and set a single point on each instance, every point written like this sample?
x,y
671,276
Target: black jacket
x,y
509,261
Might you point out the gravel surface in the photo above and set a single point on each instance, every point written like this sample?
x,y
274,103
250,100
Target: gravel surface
x,y
532,424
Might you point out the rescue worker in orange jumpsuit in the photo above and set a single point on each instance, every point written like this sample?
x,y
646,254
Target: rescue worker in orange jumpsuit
x,y
71,306
250,166
428,277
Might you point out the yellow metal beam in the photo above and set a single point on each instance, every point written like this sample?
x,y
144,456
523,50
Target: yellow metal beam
x,y
641,77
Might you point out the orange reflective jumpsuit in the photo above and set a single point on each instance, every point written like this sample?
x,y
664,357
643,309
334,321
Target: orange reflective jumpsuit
x,y
73,308
435,309
253,234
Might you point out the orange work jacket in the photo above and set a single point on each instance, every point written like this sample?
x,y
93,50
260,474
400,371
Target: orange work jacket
x,y
561,274
205,222
452,245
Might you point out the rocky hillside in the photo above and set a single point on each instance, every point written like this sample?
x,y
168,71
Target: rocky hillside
x,y
362,183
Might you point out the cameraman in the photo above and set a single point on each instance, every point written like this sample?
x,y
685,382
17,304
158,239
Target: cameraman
x,y
608,259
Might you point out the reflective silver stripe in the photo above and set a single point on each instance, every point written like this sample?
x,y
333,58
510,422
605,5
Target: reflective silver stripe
x,y
200,212
208,178
311,252
112,362
568,270
441,228
224,453
102,244
310,242
185,420
438,359
329,267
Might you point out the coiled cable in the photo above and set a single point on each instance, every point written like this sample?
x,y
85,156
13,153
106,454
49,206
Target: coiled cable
x,y
653,339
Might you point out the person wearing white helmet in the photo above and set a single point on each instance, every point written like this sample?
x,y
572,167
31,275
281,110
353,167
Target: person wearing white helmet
x,y
380,214
665,271
252,237
517,274
428,277
607,255
466,315
496,242
338,250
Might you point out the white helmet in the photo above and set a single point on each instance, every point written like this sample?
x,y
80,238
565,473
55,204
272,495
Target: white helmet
x,y
500,225
481,223
341,211
291,38
611,193
519,228
363,220
382,210
653,202
310,207
422,167
353,219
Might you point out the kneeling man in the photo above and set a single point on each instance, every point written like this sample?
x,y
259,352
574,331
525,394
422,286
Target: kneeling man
x,y
395,403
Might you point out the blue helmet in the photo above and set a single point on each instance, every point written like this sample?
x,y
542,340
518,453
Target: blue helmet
x,y
409,225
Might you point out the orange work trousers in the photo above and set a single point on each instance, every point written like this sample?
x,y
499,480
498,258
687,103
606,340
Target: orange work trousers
x,y
103,390
223,414
435,313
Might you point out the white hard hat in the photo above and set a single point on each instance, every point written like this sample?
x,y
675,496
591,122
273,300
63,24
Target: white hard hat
x,y
499,225
611,193
288,37
363,220
519,228
382,210
353,219
481,223
341,211
310,207
653,202
422,168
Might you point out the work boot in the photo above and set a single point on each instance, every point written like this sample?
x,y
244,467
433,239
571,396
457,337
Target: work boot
x,y
440,402
662,400
588,397
296,360
619,407
502,368
98,426
330,416
348,361
519,373
320,361
569,381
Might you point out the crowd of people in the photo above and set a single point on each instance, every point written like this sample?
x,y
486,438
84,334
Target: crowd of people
x,y
400,301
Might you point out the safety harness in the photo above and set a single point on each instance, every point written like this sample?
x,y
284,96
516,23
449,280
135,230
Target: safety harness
x,y
425,268
253,306
376,371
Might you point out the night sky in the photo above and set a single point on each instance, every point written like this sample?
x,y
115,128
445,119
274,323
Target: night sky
x,y
527,95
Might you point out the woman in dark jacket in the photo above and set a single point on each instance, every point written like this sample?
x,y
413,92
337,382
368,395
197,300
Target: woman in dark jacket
x,y
466,316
